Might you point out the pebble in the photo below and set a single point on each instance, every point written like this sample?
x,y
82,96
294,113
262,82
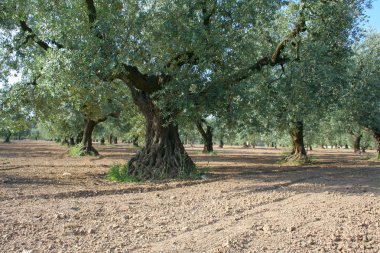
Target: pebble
x,y
28,251
267,229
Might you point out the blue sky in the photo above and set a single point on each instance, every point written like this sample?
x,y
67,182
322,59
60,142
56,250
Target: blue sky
x,y
374,16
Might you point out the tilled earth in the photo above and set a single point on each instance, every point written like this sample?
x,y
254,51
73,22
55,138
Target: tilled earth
x,y
50,202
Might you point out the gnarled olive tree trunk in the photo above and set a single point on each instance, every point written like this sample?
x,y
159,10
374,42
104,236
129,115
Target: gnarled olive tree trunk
x,y
87,137
208,146
298,151
163,155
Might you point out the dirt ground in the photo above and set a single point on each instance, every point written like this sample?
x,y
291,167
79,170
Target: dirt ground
x,y
50,202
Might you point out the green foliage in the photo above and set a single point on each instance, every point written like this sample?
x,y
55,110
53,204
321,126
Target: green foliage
x,y
76,151
119,173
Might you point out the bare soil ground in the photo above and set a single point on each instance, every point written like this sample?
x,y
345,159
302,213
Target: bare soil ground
x,y
50,202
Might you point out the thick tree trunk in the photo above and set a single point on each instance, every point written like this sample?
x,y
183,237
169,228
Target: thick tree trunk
x,y
299,152
208,146
376,134
357,140
163,155
87,137
115,140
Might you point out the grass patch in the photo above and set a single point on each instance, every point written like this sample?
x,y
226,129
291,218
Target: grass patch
x,y
76,150
119,173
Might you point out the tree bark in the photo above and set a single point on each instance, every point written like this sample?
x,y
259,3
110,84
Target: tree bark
x,y
208,146
115,140
8,137
376,134
221,144
357,140
110,139
87,137
163,155
298,152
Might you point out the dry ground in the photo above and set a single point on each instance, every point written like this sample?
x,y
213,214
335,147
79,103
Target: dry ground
x,y
50,202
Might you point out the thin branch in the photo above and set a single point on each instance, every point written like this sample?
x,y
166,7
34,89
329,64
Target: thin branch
x,y
276,57
32,36
200,129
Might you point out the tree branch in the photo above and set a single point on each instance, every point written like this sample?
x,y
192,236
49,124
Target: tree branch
x,y
91,11
200,129
31,35
92,17
276,57
143,82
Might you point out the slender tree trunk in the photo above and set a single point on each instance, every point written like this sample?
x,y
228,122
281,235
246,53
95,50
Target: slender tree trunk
x,y
8,137
207,137
102,141
376,134
310,148
110,139
346,146
72,141
87,137
115,140
299,151
357,140
163,155
221,144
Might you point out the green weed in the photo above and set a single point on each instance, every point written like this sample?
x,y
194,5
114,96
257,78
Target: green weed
x,y
119,173
76,150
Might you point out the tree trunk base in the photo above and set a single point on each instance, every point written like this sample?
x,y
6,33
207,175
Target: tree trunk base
x,y
297,158
89,151
160,163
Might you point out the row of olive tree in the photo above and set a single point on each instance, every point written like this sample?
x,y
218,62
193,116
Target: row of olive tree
x,y
275,63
